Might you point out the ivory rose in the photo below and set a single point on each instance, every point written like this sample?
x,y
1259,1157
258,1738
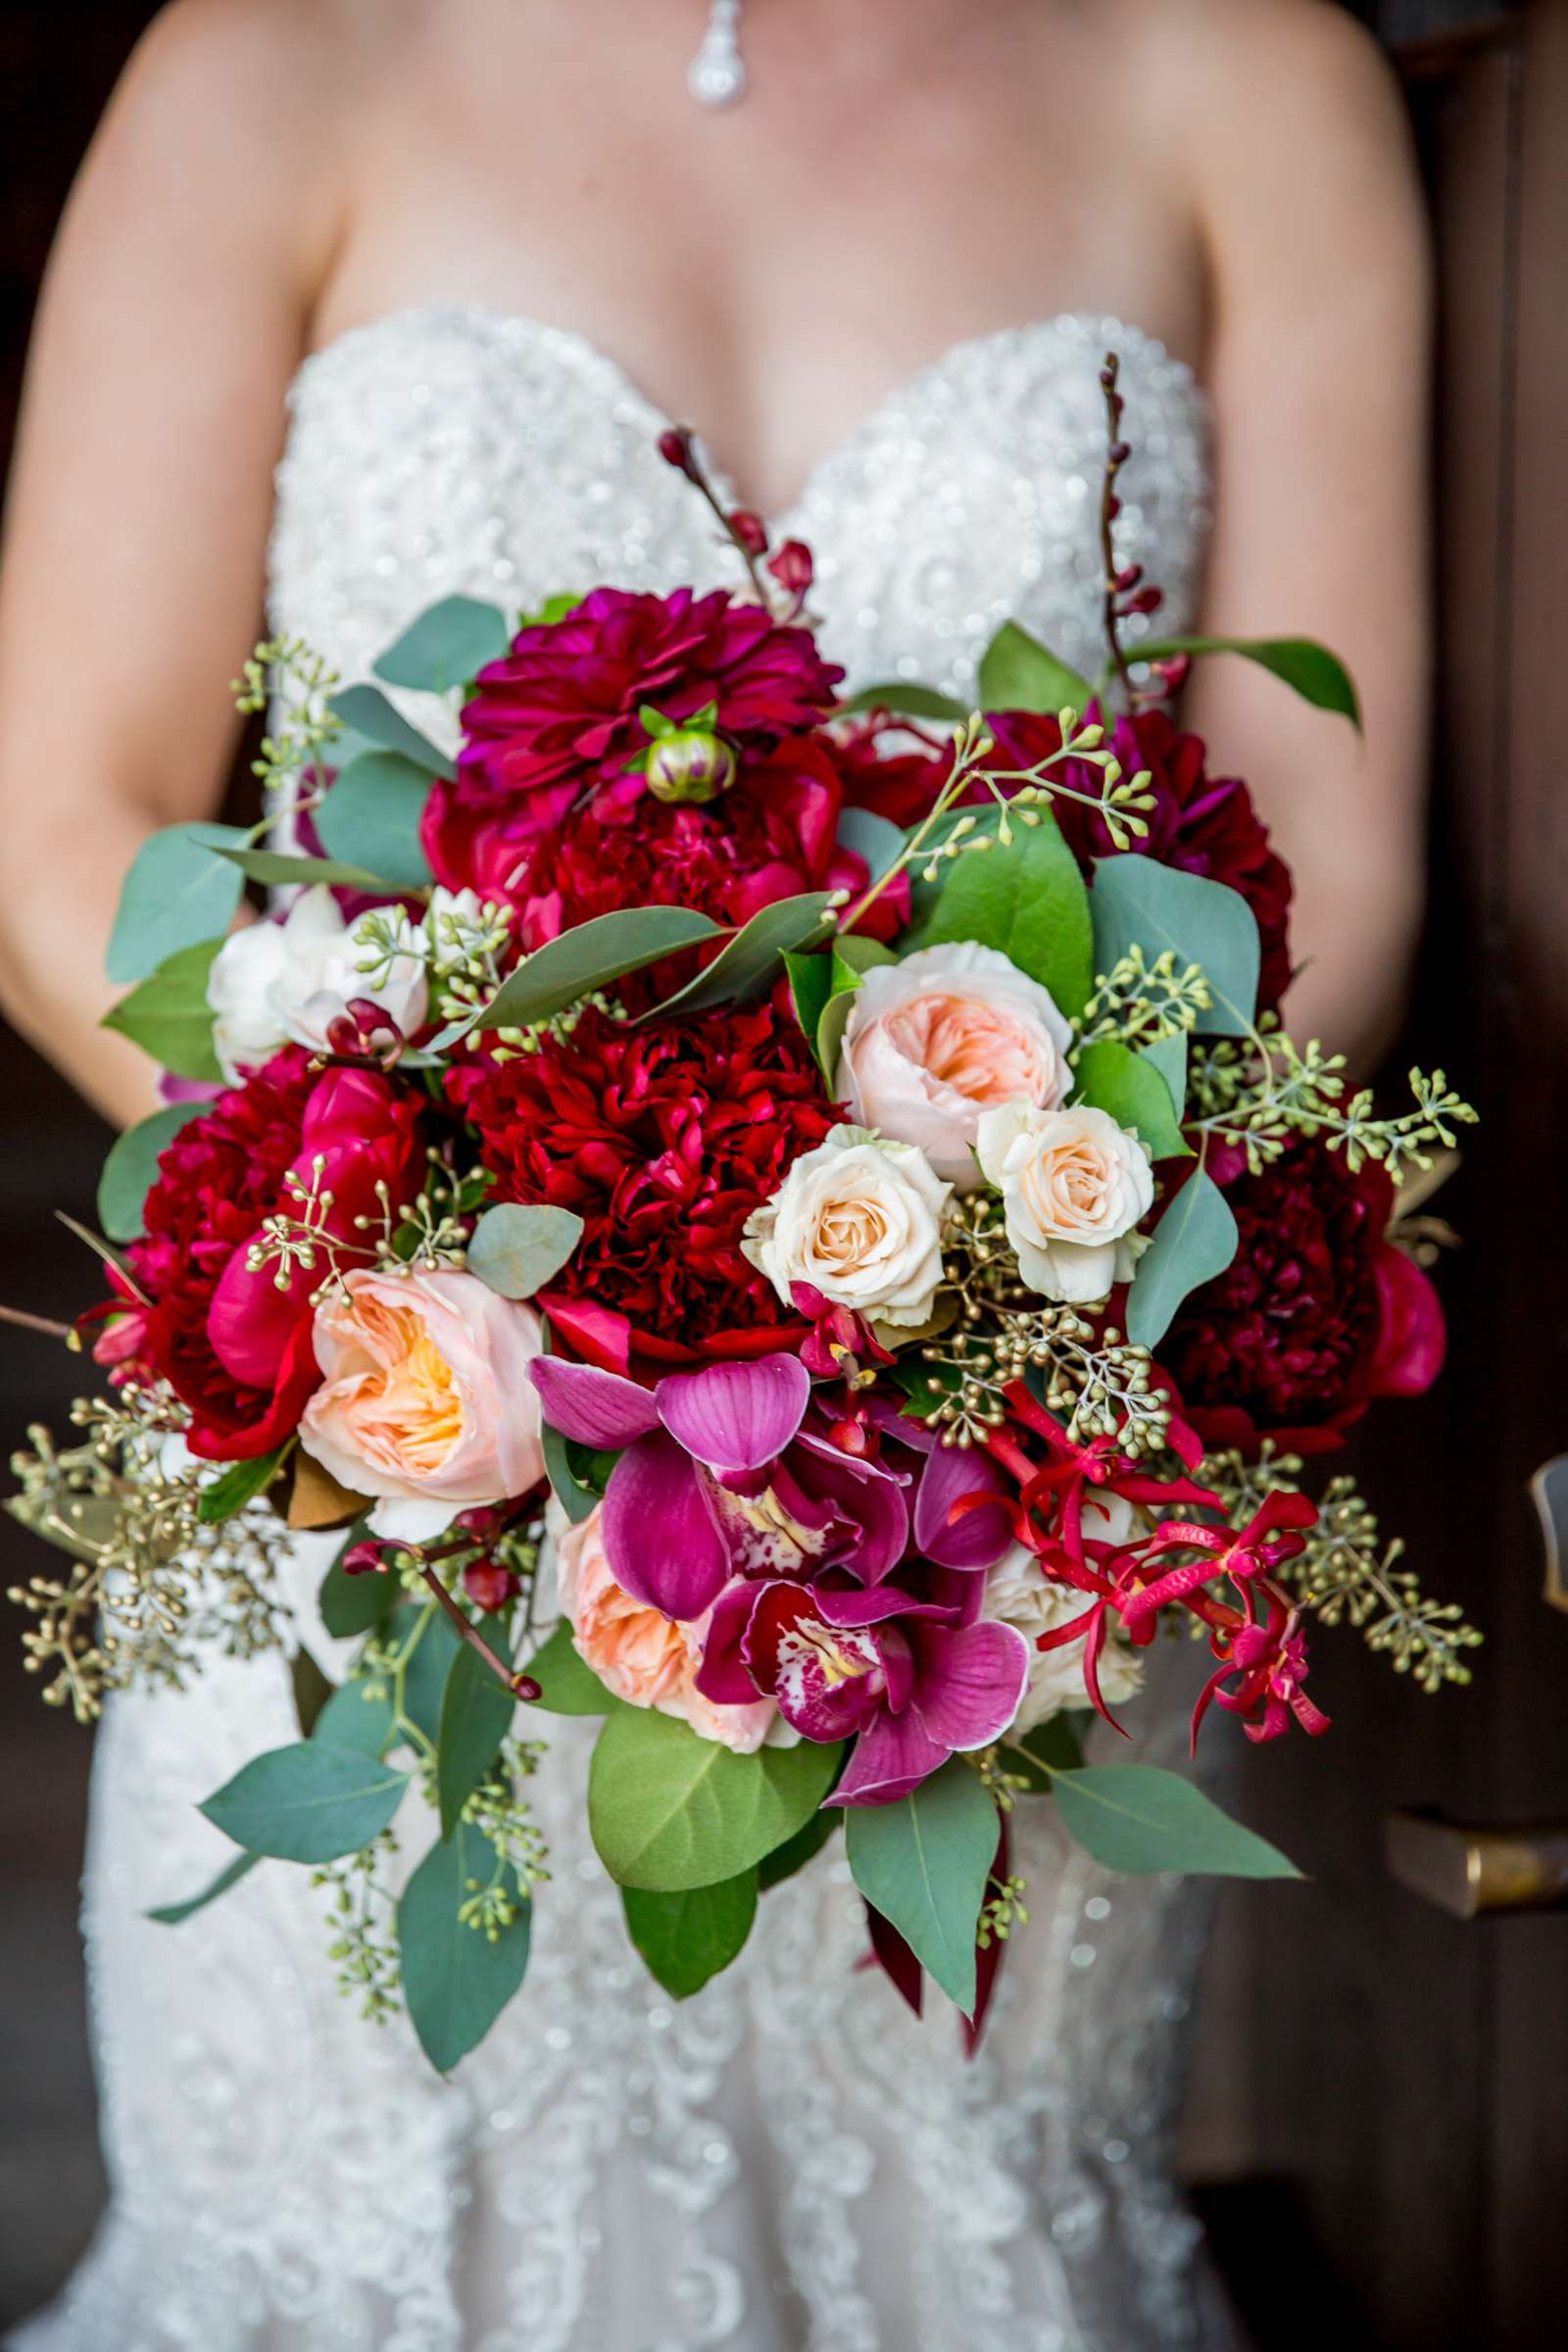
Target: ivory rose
x,y
860,1219
425,1400
1020,1594
272,982
644,1657
1073,1185
947,1034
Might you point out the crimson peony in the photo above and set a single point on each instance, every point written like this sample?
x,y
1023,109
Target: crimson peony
x,y
231,1345
1316,1315
663,1138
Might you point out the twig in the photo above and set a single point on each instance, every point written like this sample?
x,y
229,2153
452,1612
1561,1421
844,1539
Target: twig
x,y
1117,453
521,1685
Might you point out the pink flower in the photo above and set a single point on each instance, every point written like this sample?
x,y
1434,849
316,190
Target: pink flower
x,y
425,1402
947,1034
647,1659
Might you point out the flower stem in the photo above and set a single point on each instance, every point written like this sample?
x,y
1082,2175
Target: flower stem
x,y
520,1684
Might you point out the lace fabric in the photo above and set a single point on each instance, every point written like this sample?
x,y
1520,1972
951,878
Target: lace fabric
x,y
789,2162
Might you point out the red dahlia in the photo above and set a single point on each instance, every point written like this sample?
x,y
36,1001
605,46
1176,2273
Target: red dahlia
x,y
232,1345
1316,1314
663,1138
556,716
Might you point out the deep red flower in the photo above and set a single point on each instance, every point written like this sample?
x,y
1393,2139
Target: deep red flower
x,y
663,1138
234,1347
556,718
1316,1314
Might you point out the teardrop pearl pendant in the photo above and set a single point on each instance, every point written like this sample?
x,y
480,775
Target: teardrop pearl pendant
x,y
717,74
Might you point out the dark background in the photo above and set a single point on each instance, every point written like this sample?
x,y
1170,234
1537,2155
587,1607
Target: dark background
x,y
1376,2126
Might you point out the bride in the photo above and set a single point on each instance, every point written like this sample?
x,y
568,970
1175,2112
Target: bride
x,y
453,262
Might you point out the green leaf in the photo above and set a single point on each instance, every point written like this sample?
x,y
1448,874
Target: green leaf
x,y
554,608
131,1168
577,1499
169,1016
1113,1078
516,1250
240,1484
475,1717
845,979
169,1915
424,1679
1028,899
446,647
871,837
1137,902
567,1683
311,1802
1137,1819
1169,1056
586,957
367,711
1194,1240
180,890
456,1981
906,700
748,960
669,1811
687,1937
923,1863
353,1718
352,1604
811,979
312,1690
1317,676
795,1852
279,868
1055,1745
1018,673
371,817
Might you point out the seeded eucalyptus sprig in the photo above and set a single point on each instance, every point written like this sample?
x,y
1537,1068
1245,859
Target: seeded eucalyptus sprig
x,y
1138,1003
284,670
1258,1091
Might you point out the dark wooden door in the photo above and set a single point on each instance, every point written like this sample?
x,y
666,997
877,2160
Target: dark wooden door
x,y
1383,2087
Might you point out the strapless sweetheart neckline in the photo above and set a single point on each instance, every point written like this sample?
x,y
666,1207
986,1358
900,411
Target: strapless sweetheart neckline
x,y
568,342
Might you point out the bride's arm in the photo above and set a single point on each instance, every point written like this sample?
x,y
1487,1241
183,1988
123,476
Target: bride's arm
x,y
1318,362
139,504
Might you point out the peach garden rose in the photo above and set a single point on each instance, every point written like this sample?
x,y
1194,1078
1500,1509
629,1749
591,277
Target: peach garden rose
x,y
951,1032
425,1402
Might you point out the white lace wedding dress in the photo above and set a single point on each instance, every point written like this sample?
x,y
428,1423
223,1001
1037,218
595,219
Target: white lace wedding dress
x,y
789,2162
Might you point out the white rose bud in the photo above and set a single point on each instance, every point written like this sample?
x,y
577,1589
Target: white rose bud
x,y
860,1219
951,1032
1019,1592
1073,1185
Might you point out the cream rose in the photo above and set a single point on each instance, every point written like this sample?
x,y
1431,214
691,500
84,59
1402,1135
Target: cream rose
x,y
641,1656
947,1034
860,1219
425,1400
1073,1185
1019,1592
271,982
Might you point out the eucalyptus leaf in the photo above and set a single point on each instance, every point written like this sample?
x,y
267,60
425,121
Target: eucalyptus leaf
x,y
169,1915
367,711
516,1249
179,892
311,1802
1169,1056
372,817
446,647
747,961
1127,1086
1055,1745
1194,1240
359,1715
169,1016
352,1604
567,1683
1027,898
1138,902
685,1938
424,1679
1018,673
906,700
582,959
240,1484
457,1980
871,837
476,1715
1317,676
1135,1819
131,1168
923,1864
669,1811
279,869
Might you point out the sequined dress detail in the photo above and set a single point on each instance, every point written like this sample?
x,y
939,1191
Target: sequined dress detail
x,y
787,2162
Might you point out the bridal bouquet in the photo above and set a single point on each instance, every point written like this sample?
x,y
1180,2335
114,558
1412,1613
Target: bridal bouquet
x,y
789,1225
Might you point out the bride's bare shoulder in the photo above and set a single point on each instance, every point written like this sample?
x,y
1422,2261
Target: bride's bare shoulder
x,y
1241,63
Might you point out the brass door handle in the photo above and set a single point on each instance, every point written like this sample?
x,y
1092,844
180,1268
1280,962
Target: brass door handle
x,y
1470,1872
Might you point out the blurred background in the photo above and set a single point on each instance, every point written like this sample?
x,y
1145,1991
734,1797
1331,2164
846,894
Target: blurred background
x,y
1377,2128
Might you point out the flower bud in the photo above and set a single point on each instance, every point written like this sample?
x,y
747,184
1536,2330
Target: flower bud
x,y
691,765
792,567
747,530
675,447
490,1585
